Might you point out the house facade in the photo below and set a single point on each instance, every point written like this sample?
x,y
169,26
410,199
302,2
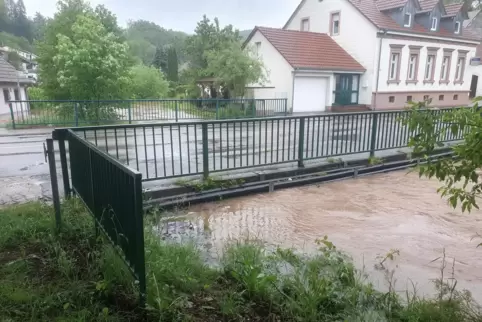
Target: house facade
x,y
13,86
367,54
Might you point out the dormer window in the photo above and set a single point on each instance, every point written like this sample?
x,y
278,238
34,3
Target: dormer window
x,y
457,27
407,22
434,24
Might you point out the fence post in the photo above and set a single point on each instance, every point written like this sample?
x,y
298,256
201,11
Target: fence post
x,y
54,183
11,115
373,139
76,114
286,106
63,164
129,112
205,151
177,111
140,251
217,109
301,143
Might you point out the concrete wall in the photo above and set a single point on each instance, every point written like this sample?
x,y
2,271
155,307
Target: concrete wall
x,y
279,82
352,23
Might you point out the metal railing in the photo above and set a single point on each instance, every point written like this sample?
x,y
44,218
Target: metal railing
x,y
113,194
84,113
173,150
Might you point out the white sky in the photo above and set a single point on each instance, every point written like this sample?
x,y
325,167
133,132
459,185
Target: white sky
x,y
184,14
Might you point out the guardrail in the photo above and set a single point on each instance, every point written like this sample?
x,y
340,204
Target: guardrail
x,y
162,151
113,194
84,113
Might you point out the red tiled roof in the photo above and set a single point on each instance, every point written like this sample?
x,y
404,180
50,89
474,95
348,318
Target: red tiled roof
x,y
383,21
428,5
453,9
390,4
309,50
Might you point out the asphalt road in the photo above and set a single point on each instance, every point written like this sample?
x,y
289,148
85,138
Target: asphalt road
x,y
24,174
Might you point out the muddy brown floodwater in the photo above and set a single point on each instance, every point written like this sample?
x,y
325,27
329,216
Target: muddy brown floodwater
x,y
364,217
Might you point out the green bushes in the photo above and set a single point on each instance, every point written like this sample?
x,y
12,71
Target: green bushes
x,y
148,83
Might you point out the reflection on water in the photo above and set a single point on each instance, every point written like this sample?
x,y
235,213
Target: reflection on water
x,y
365,217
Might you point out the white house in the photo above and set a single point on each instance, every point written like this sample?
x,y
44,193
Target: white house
x,y
13,86
372,54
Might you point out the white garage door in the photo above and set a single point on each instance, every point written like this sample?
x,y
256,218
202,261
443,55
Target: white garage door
x,y
310,94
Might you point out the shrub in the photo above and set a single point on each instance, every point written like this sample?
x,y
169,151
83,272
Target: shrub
x,y
148,83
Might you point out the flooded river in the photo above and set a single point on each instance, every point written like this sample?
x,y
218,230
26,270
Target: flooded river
x,y
365,217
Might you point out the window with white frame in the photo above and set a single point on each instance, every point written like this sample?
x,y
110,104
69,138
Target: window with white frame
x,y
407,20
305,24
457,27
257,48
444,75
434,23
459,71
429,67
394,61
335,24
412,67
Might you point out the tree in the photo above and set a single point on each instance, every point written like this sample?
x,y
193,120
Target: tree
x,y
142,51
217,52
156,36
38,25
62,27
160,60
90,63
172,65
459,175
208,36
234,68
15,60
148,83
21,24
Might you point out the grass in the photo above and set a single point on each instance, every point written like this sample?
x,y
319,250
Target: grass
x,y
76,276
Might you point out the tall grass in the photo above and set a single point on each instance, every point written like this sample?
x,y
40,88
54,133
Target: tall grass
x,y
76,276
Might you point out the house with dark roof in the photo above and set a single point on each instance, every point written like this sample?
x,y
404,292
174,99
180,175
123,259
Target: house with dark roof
x,y
13,85
367,54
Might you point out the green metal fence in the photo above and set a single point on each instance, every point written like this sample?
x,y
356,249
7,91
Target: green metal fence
x,y
178,149
113,194
83,113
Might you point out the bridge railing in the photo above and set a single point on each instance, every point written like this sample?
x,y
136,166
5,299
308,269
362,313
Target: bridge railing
x,y
200,148
113,194
85,113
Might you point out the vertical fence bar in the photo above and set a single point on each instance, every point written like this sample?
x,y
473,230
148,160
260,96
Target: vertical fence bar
x,y
53,181
11,115
176,109
140,264
301,143
76,114
217,109
205,151
129,112
373,139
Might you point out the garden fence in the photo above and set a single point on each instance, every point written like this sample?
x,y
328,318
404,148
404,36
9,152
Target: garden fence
x,y
84,113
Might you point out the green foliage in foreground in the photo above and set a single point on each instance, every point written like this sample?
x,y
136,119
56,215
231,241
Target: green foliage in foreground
x,y
75,276
460,177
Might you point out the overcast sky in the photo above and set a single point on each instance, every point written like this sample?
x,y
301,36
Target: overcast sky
x,y
184,14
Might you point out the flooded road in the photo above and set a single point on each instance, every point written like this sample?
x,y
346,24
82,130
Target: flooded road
x,y
365,217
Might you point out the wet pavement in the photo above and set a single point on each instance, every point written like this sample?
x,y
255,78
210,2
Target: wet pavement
x,y
365,217
24,174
